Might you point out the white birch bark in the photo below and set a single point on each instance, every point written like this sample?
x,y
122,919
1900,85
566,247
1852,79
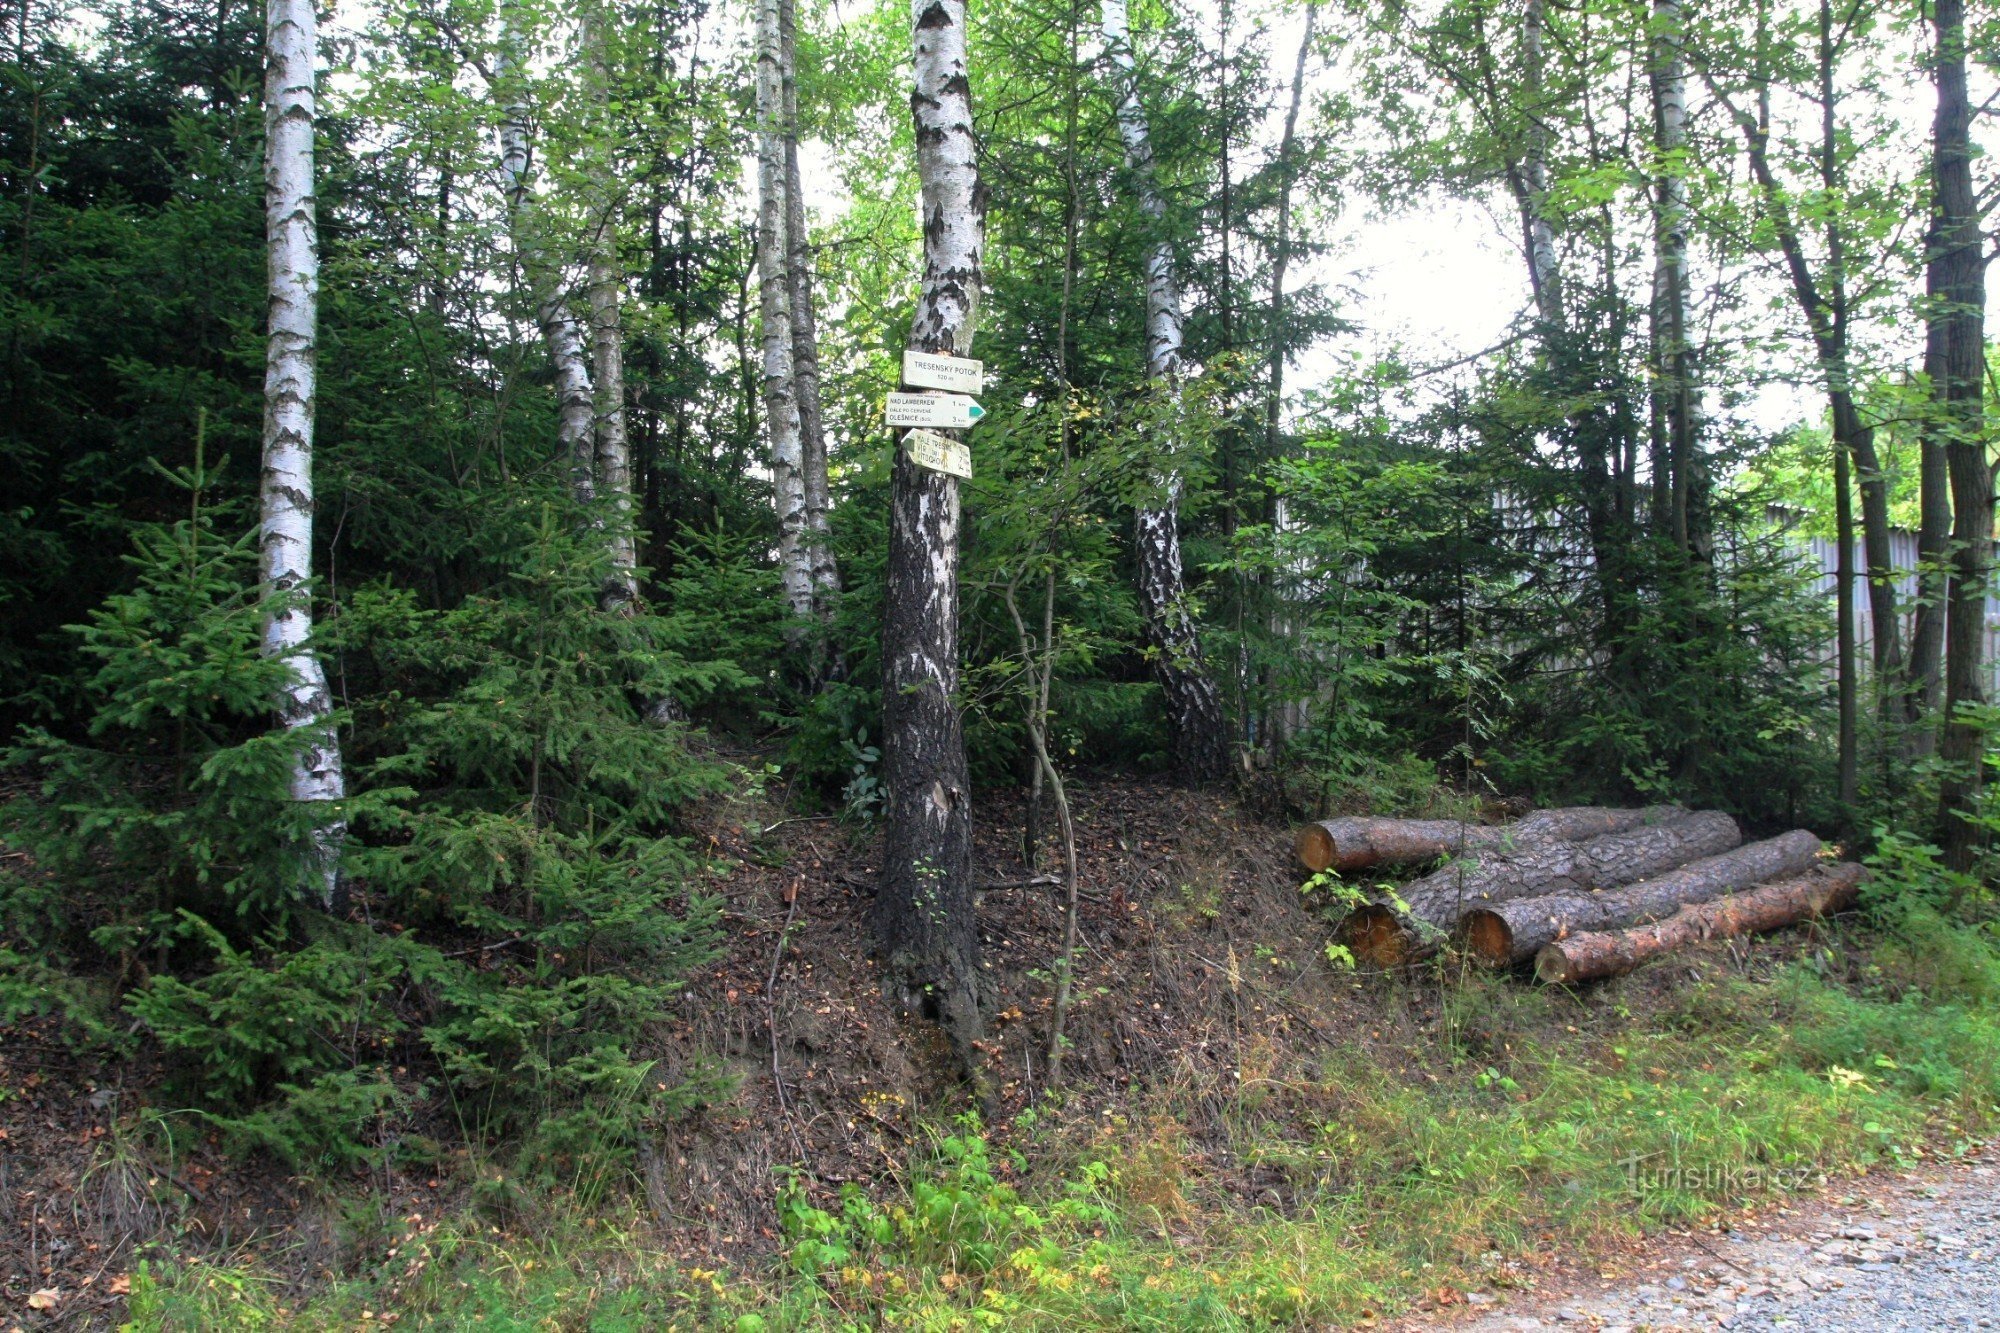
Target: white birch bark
x,y
292,236
612,449
1544,265
805,336
1194,705
1673,359
781,404
923,911
562,332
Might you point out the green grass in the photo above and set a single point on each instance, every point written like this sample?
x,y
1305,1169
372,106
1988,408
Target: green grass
x,y
1518,1130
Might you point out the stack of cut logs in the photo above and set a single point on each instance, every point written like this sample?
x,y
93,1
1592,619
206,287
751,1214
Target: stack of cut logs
x,y
1583,891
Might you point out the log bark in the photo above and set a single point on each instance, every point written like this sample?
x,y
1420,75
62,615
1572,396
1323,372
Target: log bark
x,y
1818,892
291,234
1514,932
923,912
1354,841
1422,914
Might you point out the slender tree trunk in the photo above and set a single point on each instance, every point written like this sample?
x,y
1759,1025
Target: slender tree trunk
x,y
781,404
1279,721
1884,616
292,239
805,338
1962,287
562,334
1847,755
1823,301
1673,357
1281,248
1933,538
1194,705
607,345
923,911
1544,264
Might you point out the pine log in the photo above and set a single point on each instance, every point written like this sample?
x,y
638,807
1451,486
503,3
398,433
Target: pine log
x,y
1417,918
1819,892
1354,841
1514,932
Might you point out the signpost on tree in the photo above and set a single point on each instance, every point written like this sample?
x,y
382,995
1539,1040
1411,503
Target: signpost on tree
x,y
923,909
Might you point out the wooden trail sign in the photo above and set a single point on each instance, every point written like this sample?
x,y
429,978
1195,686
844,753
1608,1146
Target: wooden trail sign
x,y
959,374
939,453
932,411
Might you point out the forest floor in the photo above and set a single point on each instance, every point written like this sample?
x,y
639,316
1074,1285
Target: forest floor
x,y
1248,1134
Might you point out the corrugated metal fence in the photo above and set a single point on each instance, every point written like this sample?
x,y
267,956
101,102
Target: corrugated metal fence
x,y
1903,559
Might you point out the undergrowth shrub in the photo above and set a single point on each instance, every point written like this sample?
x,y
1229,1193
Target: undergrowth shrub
x,y
527,907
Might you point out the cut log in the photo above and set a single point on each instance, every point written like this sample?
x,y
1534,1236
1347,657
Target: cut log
x,y
1354,841
1514,932
1819,892
1419,917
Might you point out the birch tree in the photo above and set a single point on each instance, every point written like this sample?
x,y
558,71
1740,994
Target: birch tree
x,y
1674,398
292,241
1194,705
780,381
562,333
805,335
923,910
611,447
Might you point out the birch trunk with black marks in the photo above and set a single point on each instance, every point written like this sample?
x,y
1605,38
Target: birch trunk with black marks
x,y
1194,704
613,451
562,332
781,403
1959,243
291,235
1539,233
817,538
1674,401
923,914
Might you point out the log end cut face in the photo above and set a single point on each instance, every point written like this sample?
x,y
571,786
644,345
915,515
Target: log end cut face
x,y
1374,936
1315,847
1488,936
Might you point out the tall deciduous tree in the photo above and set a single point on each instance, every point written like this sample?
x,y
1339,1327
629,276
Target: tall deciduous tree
x,y
1675,404
923,910
805,335
1958,305
290,366
1194,704
781,404
611,444
1825,301
562,333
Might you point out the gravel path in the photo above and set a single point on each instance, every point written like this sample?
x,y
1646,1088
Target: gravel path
x,y
1913,1252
